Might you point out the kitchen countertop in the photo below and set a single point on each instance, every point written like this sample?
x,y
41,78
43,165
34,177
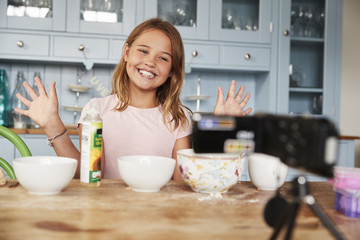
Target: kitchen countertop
x,y
114,211
73,131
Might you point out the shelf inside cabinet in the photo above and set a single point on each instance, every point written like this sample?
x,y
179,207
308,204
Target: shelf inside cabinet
x,y
306,90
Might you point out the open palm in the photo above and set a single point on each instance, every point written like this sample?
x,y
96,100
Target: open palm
x,y
234,104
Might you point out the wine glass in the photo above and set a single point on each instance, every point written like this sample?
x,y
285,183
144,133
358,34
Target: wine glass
x,y
228,18
181,12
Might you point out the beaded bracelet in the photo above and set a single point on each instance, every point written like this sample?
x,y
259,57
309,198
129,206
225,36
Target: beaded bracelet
x,y
51,140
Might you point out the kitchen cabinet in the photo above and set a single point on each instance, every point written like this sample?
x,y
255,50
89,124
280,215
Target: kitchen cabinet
x,y
24,44
241,21
34,15
190,17
309,57
222,20
114,17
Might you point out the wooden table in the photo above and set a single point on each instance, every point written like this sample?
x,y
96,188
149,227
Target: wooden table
x,y
114,211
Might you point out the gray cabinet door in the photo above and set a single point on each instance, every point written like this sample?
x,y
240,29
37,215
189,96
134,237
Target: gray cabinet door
x,y
241,21
24,17
120,20
309,66
195,24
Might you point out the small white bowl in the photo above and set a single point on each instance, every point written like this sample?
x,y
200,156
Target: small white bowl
x,y
210,173
44,175
266,172
146,173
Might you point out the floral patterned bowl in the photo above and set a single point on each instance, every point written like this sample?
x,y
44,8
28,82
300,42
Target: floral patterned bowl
x,y
210,173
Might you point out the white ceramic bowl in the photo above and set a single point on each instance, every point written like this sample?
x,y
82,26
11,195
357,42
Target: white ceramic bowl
x,y
266,172
44,175
210,173
146,173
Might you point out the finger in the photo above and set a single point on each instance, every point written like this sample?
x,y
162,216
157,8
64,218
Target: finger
x,y
21,111
24,100
220,96
246,112
240,93
245,100
40,86
30,90
52,90
231,92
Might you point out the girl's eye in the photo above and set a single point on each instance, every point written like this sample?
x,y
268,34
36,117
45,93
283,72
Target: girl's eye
x,y
142,51
164,59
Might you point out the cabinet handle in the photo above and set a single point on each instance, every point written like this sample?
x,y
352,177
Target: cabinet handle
x,y
247,56
81,47
286,32
20,43
194,53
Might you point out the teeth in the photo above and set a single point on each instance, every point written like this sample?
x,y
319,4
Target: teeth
x,y
147,74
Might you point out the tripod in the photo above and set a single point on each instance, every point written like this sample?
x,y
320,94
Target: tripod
x,y
300,193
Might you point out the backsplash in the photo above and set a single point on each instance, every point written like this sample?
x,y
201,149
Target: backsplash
x,y
99,79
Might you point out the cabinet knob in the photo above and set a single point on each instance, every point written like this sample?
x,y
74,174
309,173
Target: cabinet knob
x,y
247,56
286,33
194,53
20,43
81,47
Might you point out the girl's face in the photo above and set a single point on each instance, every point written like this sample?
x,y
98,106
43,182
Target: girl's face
x,y
148,60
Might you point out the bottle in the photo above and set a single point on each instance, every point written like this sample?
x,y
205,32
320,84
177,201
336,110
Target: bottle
x,y
91,143
4,100
19,121
36,74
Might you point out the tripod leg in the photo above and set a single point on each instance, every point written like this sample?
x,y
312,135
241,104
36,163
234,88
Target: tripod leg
x,y
292,218
309,200
281,223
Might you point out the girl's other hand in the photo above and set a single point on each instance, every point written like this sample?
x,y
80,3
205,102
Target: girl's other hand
x,y
43,109
234,104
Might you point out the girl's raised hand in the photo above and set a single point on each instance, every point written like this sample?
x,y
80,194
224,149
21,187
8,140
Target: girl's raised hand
x,y
234,104
43,109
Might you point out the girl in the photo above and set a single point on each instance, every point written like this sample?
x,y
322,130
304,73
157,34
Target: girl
x,y
143,114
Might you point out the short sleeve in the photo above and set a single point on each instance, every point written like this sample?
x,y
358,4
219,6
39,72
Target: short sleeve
x,y
183,132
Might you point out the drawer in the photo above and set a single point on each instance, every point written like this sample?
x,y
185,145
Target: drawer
x,y
247,57
24,44
69,47
207,54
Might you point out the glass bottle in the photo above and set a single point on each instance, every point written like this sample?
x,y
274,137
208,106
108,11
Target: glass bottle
x,y
19,121
36,74
4,100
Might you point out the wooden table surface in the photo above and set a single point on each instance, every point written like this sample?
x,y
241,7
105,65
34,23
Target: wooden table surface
x,y
114,211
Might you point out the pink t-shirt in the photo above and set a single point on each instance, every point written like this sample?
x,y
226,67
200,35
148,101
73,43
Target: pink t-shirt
x,y
134,131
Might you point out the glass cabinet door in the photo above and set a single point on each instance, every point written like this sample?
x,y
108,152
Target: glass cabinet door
x,y
35,14
116,17
240,20
190,17
308,58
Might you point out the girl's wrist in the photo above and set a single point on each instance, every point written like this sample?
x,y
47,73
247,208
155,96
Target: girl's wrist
x,y
54,127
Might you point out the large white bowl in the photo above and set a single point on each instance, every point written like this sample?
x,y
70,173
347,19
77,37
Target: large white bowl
x,y
146,173
44,175
210,173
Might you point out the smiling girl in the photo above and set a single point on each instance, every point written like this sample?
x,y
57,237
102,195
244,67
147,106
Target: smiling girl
x,y
144,114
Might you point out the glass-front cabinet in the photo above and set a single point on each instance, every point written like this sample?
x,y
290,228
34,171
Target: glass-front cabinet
x,y
115,17
190,17
33,14
240,20
309,59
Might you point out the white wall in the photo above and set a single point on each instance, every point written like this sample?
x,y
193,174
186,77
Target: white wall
x,y
350,76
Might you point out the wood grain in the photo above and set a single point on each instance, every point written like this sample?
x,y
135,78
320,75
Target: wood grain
x,y
114,211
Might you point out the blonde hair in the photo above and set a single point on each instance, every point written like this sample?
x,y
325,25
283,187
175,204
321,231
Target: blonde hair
x,y
168,94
